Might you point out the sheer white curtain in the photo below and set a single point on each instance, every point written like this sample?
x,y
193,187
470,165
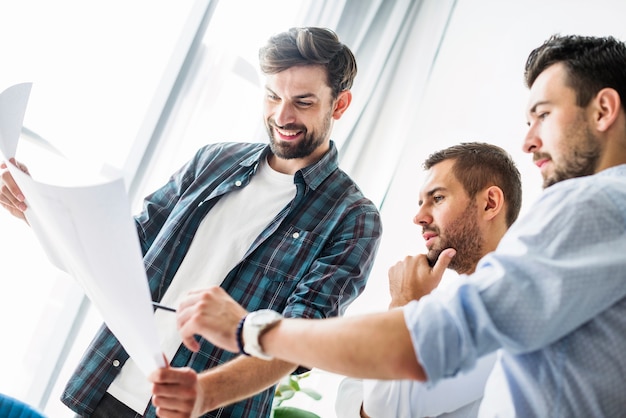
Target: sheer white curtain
x,y
396,45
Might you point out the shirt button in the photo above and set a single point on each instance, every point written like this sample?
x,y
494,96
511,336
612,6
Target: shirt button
x,y
116,363
238,183
296,235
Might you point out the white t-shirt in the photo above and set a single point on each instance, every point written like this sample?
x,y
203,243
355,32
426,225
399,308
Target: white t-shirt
x,y
221,241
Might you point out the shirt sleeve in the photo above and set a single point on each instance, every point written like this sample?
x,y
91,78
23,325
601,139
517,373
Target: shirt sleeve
x,y
158,205
541,283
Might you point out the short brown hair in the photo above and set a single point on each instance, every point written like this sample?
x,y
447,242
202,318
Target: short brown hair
x,y
592,63
310,46
479,165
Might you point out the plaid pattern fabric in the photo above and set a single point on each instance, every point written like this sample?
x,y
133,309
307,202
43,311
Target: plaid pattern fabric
x,y
311,261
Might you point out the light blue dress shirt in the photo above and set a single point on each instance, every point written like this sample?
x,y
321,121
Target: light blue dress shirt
x,y
553,296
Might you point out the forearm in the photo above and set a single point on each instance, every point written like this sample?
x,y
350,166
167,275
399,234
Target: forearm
x,y
353,346
239,379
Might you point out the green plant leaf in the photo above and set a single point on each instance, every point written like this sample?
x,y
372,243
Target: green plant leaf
x,y
294,384
312,393
291,412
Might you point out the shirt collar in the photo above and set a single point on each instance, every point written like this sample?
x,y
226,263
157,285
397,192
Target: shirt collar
x,y
312,175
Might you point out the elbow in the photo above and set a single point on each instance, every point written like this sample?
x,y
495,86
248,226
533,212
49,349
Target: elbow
x,y
416,372
407,367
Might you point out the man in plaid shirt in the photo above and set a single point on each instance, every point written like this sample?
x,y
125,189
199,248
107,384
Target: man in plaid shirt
x,y
287,230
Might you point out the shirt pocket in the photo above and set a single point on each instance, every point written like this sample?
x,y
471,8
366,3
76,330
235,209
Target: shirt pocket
x,y
291,254
275,269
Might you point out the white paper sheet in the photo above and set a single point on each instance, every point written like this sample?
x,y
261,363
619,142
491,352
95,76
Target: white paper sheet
x,y
88,232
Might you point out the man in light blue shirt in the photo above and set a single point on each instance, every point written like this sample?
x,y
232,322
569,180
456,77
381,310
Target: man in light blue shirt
x,y
552,296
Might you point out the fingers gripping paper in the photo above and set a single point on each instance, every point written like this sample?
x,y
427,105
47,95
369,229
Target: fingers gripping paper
x,y
88,232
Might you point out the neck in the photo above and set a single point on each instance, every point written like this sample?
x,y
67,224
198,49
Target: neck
x,y
613,155
614,149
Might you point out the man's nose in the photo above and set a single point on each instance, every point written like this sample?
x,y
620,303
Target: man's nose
x,y
284,115
422,217
532,141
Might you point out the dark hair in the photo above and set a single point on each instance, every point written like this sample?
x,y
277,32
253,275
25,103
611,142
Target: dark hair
x,y
479,165
310,46
592,63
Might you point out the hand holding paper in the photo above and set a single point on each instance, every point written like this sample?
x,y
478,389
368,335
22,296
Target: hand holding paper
x,y
11,197
88,232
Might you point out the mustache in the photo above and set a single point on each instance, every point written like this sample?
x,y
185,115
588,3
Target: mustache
x,y
541,156
287,127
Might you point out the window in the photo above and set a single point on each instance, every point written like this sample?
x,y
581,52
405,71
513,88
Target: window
x,y
95,69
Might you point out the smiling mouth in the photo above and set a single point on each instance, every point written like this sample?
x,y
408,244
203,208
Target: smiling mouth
x,y
287,134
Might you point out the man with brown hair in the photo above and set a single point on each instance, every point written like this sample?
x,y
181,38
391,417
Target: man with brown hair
x,y
471,196
279,226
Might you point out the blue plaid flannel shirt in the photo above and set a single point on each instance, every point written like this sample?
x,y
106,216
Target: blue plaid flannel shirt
x,y
311,261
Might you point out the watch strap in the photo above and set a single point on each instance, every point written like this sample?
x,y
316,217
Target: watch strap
x,y
240,337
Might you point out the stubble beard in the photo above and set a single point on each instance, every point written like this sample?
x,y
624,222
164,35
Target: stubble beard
x,y
463,234
302,148
581,158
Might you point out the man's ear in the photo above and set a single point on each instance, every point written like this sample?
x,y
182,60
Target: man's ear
x,y
341,104
493,198
606,108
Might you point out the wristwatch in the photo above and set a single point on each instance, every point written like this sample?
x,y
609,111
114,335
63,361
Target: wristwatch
x,y
254,325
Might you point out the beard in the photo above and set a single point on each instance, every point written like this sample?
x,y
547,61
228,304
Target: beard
x,y
580,159
463,234
302,148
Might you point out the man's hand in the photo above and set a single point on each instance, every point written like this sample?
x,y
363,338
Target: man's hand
x,y
214,315
176,393
11,197
412,278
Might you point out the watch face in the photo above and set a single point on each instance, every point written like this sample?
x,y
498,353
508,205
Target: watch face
x,y
264,316
253,326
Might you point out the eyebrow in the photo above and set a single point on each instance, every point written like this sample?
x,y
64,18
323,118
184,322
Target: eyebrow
x,y
533,109
430,193
299,96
